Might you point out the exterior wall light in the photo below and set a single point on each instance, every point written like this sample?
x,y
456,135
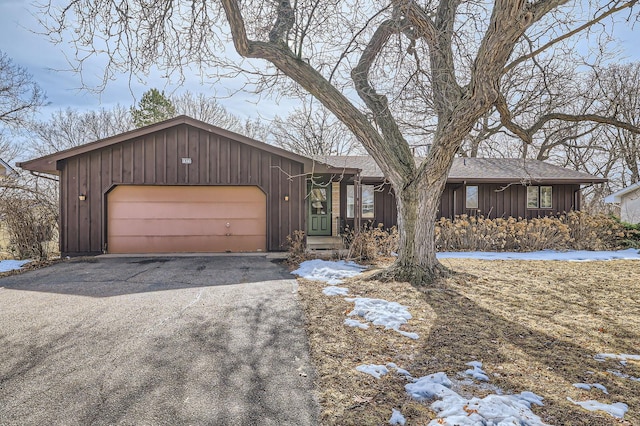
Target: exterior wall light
x,y
286,198
82,197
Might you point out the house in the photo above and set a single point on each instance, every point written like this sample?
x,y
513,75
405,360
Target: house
x,y
6,170
491,187
186,186
629,201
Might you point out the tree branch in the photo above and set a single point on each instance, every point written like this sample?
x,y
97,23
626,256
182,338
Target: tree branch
x,y
582,117
422,24
315,83
507,121
526,135
394,143
571,33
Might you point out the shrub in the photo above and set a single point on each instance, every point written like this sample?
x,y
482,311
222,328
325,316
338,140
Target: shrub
x,y
30,227
574,230
297,247
372,242
632,235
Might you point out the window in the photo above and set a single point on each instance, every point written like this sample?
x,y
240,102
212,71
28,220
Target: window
x,y
533,200
318,201
471,197
539,197
545,197
367,201
368,193
351,202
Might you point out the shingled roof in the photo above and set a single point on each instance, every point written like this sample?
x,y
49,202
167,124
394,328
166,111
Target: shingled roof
x,y
481,170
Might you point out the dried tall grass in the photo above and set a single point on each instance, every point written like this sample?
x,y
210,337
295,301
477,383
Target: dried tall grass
x,y
571,231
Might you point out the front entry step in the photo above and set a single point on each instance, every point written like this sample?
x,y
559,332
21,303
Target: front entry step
x,y
324,243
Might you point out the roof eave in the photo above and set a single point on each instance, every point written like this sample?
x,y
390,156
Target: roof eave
x,y
556,181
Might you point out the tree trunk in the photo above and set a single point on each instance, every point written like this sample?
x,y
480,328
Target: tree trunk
x,y
417,206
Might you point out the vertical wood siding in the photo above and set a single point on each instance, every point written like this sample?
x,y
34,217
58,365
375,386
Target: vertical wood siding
x,y
494,200
156,159
502,200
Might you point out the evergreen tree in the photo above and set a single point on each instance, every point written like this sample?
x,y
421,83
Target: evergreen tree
x,y
153,107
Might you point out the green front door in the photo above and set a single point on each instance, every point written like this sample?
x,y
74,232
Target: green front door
x,y
319,210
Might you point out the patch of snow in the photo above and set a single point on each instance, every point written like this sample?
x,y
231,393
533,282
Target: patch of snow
x,y
623,375
431,386
476,371
332,290
491,410
410,335
376,371
573,256
399,370
391,315
397,418
621,357
331,272
601,387
582,386
616,410
587,386
355,323
11,265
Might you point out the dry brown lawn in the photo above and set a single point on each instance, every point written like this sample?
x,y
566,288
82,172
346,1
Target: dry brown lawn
x,y
535,326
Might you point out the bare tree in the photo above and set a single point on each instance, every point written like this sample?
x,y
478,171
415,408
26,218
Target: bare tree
x,y
20,96
8,150
618,89
390,71
313,131
69,128
206,108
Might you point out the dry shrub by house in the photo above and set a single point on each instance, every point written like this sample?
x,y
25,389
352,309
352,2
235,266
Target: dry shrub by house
x,y
28,227
372,242
571,231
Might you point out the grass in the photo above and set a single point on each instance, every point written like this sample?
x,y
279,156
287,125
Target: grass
x,y
535,325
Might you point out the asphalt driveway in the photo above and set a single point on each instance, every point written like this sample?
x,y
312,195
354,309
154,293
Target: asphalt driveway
x,y
146,341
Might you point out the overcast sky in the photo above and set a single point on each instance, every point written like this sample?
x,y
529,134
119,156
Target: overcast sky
x,y
42,58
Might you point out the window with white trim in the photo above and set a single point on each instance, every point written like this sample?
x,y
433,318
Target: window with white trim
x,y
368,205
471,197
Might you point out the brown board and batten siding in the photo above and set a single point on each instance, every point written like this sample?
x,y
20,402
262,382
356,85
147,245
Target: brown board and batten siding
x,y
507,200
156,159
494,200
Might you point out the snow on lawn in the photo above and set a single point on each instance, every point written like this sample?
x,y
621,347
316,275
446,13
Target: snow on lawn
x,y
396,418
573,256
476,371
623,375
10,265
391,315
331,272
587,386
451,407
332,290
617,409
623,358
355,323
454,409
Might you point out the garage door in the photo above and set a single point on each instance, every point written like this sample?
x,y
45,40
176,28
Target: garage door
x,y
183,219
